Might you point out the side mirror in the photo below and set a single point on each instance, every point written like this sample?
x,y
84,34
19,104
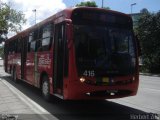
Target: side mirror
x,y
138,46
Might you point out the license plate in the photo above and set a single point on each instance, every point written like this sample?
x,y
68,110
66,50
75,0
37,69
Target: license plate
x,y
105,79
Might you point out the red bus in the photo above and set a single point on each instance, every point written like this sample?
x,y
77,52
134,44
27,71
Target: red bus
x,y
78,53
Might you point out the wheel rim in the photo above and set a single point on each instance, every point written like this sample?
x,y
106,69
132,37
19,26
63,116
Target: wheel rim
x,y
45,88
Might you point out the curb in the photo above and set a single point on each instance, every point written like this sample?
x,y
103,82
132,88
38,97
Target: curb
x,y
150,74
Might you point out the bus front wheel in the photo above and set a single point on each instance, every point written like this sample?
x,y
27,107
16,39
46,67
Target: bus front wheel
x,y
46,88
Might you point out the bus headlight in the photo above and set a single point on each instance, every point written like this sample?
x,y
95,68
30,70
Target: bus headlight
x,y
82,79
133,78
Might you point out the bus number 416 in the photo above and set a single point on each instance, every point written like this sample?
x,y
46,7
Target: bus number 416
x,y
89,73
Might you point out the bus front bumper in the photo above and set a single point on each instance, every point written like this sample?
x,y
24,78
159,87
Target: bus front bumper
x,y
77,90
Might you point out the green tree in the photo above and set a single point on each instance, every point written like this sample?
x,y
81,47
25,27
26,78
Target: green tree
x,y
148,31
11,20
144,11
1,51
87,4
107,8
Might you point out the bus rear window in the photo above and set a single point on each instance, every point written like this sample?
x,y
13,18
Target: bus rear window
x,y
85,17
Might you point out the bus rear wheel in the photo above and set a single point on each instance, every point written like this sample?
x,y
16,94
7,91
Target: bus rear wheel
x,y
46,89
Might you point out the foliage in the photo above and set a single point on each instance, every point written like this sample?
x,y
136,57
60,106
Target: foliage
x,y
11,20
148,31
1,51
144,11
107,8
87,4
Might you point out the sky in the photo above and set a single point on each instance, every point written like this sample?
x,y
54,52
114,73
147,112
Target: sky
x,y
46,8
123,5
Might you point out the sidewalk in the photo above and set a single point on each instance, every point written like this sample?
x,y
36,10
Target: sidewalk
x,y
14,104
11,104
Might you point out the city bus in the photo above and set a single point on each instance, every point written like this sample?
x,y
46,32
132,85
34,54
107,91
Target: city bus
x,y
77,54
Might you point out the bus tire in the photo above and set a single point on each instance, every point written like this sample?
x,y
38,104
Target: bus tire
x,y
45,88
14,75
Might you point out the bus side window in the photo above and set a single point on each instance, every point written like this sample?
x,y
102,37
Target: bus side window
x,y
33,46
30,37
19,46
9,48
35,35
47,37
12,47
39,40
30,47
6,48
29,42
39,45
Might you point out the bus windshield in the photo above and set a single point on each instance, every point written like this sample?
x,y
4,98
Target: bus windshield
x,y
106,51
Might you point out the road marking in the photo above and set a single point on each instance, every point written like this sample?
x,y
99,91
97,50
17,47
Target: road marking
x,y
151,89
133,105
32,105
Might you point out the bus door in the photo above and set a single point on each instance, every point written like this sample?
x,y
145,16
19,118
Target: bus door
x,y
30,60
59,46
6,51
23,57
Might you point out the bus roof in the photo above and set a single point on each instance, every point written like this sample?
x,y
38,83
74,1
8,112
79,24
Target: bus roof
x,y
65,14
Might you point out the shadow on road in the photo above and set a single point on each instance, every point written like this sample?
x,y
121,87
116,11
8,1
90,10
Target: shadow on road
x,y
78,110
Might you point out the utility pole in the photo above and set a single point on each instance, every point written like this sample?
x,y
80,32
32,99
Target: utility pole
x,y
35,14
132,6
0,4
102,3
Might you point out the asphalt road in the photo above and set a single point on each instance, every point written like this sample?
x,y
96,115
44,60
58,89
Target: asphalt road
x,y
145,105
